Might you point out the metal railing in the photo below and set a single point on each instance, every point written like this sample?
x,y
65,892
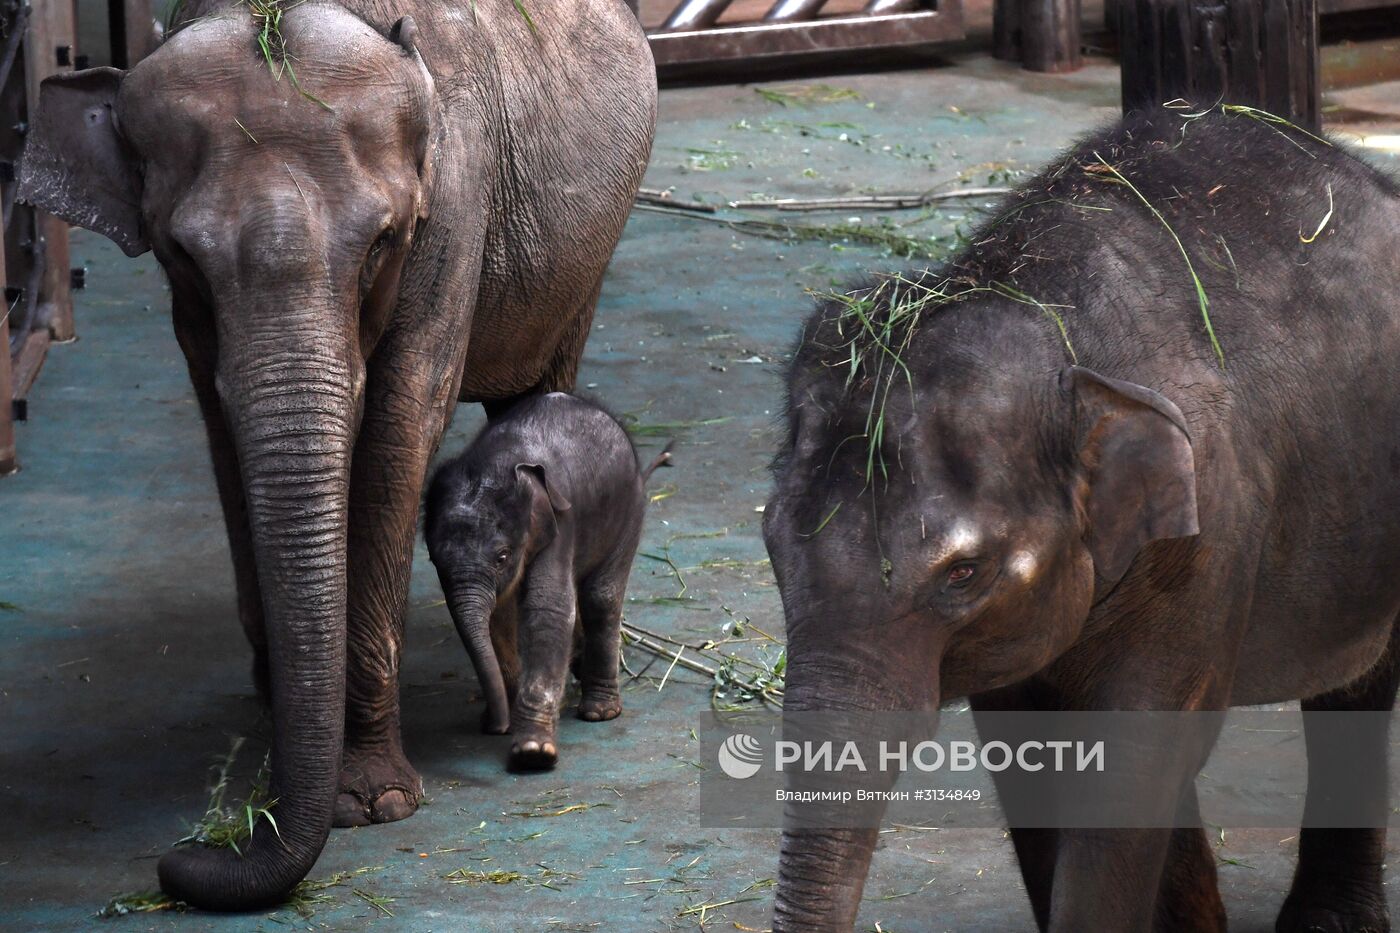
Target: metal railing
x,y
693,33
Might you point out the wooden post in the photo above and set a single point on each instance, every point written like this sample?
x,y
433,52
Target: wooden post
x,y
1261,53
8,461
1044,35
50,48
130,24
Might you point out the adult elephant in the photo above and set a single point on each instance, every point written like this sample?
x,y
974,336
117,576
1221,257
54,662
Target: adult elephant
x,y
368,210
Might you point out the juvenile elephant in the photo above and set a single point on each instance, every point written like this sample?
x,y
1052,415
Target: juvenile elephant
x,y
533,530
1092,487
368,210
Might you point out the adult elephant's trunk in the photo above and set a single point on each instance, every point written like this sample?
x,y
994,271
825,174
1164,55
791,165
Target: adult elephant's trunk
x,y
821,874
294,416
471,606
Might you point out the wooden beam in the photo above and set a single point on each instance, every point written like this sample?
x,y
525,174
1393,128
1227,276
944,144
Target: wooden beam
x,y
8,461
131,25
1261,53
1043,35
50,48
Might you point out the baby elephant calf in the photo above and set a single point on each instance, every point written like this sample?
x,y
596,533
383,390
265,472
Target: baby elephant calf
x,y
533,529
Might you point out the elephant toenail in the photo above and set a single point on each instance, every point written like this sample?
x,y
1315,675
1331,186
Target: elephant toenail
x,y
393,805
350,811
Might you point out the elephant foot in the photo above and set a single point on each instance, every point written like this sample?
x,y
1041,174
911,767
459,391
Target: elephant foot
x,y
376,787
599,707
534,752
1334,909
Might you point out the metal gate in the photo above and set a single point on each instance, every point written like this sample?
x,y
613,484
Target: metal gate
x,y
698,32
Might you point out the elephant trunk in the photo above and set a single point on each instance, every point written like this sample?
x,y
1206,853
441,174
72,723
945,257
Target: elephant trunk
x,y
822,869
471,606
294,418
821,874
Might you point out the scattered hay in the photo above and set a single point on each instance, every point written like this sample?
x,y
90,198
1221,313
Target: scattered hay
x,y
304,899
1326,218
632,423
886,235
225,825
311,892
141,902
804,95
542,877
378,902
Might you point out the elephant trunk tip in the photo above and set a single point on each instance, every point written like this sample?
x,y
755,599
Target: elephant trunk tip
x,y
224,880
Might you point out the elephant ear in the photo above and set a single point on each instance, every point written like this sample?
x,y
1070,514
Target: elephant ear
x,y
75,164
1140,475
546,504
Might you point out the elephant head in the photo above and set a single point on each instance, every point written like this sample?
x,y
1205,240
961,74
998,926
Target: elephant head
x,y
278,179
958,548
483,527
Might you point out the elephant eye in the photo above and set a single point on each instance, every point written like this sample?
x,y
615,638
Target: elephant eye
x,y
502,556
961,575
381,243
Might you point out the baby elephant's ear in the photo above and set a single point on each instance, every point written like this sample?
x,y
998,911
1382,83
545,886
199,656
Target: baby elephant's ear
x,y
533,474
1135,456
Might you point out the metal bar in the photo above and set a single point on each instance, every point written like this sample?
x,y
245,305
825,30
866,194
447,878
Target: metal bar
x,y
694,14
883,7
793,11
769,41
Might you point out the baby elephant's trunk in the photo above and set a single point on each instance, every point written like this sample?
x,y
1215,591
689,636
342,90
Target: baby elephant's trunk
x,y
471,607
662,459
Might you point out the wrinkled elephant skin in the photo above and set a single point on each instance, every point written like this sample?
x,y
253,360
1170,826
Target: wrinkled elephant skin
x,y
1029,477
367,212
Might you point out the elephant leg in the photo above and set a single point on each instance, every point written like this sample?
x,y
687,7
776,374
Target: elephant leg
x,y
546,638
404,416
1188,898
1035,846
200,356
600,608
1112,879
1338,886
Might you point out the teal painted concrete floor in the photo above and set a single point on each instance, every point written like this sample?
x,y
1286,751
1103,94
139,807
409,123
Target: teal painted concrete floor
x,y
124,674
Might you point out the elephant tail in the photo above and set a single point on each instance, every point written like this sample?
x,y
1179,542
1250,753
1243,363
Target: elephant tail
x,y
662,459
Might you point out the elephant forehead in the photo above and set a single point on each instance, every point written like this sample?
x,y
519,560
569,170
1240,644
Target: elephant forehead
x,y
320,49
